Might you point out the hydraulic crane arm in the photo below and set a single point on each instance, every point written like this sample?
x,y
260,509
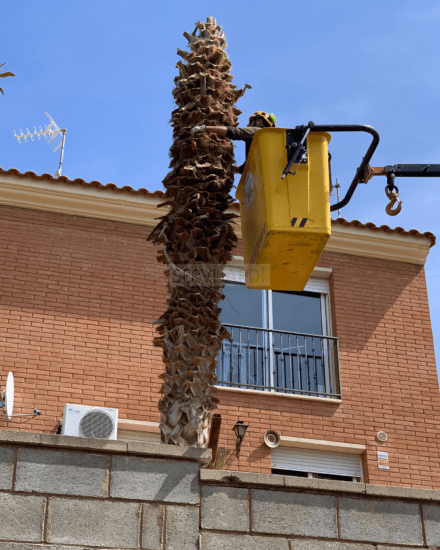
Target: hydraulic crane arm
x,y
297,149
407,171
401,171
362,171
295,143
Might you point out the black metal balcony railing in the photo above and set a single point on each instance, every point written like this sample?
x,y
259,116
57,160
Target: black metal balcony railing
x,y
279,361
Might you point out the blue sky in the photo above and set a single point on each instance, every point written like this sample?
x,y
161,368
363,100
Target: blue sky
x,y
105,70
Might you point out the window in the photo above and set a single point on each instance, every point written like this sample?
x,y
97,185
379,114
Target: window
x,y
280,340
138,430
316,464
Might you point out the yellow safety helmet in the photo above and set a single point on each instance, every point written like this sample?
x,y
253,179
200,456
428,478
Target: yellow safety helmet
x,y
270,119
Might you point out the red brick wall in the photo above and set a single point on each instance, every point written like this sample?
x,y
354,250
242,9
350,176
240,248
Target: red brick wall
x,y
77,302
78,298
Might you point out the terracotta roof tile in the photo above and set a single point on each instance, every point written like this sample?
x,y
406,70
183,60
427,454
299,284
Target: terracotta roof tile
x,y
385,228
79,181
127,189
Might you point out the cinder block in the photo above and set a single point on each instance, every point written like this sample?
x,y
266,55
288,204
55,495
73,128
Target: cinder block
x,y
211,541
324,484
431,518
29,546
62,472
225,508
248,478
94,523
6,467
300,544
82,443
402,492
202,456
182,528
22,517
26,438
152,526
155,480
286,513
380,521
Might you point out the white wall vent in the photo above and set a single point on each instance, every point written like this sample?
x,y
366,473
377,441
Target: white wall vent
x,y
316,462
87,421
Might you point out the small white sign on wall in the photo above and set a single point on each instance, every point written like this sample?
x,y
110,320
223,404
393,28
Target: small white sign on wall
x,y
382,461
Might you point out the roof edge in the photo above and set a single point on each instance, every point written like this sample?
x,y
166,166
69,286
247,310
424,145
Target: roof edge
x,y
126,205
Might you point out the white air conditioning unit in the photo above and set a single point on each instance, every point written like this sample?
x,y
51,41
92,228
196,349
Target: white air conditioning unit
x,y
85,421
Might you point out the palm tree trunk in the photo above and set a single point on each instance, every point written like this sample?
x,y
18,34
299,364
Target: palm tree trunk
x,y
197,236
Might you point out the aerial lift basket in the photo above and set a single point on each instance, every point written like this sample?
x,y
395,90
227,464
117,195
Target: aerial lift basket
x,y
285,220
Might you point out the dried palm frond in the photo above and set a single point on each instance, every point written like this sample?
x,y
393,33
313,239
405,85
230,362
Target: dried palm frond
x,y
197,235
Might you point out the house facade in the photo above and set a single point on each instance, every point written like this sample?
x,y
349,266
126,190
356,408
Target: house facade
x,y
344,372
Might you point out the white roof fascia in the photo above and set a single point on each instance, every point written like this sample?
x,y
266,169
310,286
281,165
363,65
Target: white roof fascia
x,y
91,202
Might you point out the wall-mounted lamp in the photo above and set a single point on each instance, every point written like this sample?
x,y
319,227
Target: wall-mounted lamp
x,y
239,429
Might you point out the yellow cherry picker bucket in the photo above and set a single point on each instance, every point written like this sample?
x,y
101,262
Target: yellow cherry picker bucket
x,y
284,207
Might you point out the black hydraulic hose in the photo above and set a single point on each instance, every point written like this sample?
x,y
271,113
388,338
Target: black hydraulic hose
x,y
360,172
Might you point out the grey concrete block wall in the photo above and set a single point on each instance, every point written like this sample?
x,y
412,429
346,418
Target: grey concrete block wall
x,y
155,480
21,517
89,496
289,513
225,508
63,473
431,516
93,522
6,467
58,493
380,521
299,544
182,528
28,546
170,527
214,541
153,523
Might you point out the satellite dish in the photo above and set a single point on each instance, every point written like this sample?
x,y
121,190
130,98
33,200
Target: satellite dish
x,y
8,397
7,402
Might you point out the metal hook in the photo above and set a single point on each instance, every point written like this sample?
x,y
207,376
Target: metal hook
x,y
388,208
392,192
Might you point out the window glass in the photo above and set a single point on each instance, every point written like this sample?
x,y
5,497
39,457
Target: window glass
x,y
297,312
244,360
242,306
298,360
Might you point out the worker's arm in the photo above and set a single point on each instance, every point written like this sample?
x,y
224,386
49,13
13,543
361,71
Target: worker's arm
x,y
219,130
242,134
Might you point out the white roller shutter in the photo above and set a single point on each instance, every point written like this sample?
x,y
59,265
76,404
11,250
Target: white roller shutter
x,y
318,462
314,284
317,285
234,274
133,435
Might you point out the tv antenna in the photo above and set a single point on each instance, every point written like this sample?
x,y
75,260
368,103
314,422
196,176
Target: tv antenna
x,y
54,136
7,402
337,187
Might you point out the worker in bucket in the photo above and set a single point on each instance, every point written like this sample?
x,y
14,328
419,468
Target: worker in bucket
x,y
258,120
